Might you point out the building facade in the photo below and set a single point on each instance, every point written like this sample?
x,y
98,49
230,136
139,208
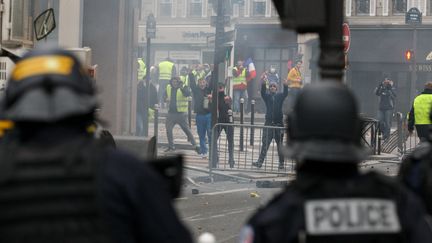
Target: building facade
x,y
185,34
379,40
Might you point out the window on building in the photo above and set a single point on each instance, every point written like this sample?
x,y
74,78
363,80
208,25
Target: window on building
x,y
362,7
21,11
278,58
399,6
258,7
195,8
165,8
429,7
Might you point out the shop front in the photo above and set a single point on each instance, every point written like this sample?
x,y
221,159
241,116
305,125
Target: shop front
x,y
378,52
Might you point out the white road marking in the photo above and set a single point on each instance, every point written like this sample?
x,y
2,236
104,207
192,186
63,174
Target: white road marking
x,y
225,192
236,211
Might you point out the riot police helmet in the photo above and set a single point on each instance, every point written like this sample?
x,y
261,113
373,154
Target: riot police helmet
x,y
48,85
325,125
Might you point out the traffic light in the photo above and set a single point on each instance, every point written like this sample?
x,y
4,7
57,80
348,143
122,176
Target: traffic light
x,y
300,16
409,55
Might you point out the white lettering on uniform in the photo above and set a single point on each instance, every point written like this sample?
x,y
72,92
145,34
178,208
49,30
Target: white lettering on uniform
x,y
351,216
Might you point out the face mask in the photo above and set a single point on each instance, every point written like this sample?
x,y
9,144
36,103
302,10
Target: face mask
x,y
272,70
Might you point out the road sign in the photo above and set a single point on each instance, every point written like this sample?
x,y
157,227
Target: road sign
x,y
346,37
413,16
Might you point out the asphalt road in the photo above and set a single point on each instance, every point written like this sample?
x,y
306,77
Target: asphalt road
x,y
221,208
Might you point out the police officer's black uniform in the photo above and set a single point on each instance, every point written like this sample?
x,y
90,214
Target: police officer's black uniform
x,y
416,170
331,201
57,183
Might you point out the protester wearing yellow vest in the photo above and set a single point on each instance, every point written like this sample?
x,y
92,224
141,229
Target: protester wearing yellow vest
x,y
419,116
295,83
167,70
239,85
184,76
142,69
177,98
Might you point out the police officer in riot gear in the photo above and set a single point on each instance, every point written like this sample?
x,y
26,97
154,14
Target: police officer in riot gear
x,y
57,184
416,169
330,200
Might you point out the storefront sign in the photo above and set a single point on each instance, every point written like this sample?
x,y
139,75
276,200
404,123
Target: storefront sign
x,y
421,67
178,34
178,56
185,55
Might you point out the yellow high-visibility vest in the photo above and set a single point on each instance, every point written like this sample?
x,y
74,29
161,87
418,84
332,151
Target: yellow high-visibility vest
x,y
182,101
241,79
165,70
422,107
185,79
142,69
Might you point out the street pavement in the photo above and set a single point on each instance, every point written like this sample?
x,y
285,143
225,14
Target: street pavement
x,y
220,208
220,201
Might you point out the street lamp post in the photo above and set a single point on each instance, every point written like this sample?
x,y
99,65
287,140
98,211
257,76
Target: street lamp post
x,y
150,33
218,58
413,17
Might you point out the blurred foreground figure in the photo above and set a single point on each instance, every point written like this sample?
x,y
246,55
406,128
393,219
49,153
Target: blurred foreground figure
x,y
331,201
416,171
57,183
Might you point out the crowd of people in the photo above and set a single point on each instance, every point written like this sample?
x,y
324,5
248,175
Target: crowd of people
x,y
194,82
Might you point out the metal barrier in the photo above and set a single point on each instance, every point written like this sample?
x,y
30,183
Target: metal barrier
x,y
241,123
371,129
252,122
220,156
396,138
406,141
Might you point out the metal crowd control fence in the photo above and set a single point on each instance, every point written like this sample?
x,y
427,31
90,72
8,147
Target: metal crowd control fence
x,y
370,132
220,150
252,122
406,141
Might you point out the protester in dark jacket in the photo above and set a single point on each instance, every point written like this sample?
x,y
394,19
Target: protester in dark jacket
x,y
274,118
225,116
201,98
141,100
387,94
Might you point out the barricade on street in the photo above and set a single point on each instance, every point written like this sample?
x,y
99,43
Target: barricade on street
x,y
369,136
406,141
244,152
